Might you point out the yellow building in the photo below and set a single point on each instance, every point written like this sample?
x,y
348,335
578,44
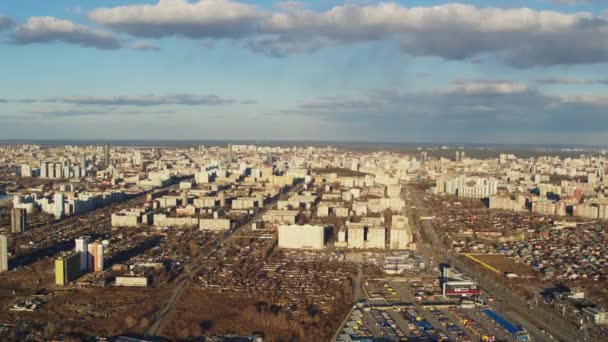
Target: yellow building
x,y
67,268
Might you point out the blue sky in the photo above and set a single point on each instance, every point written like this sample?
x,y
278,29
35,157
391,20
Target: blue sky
x,y
476,71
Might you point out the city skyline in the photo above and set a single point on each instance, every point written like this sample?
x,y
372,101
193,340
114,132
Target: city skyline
x,y
528,72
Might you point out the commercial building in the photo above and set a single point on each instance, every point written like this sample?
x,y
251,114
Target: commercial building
x,y
454,284
302,236
18,220
3,254
137,276
131,281
67,268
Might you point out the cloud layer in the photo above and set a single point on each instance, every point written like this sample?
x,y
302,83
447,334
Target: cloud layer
x,y
50,29
145,46
203,19
480,106
141,100
5,22
522,37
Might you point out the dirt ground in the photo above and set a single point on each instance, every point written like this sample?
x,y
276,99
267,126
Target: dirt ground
x,y
103,311
505,264
205,312
527,283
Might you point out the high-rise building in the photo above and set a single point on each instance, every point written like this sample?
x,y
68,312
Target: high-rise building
x,y
26,170
44,170
424,156
301,236
58,170
67,268
106,155
59,203
96,256
401,234
356,235
83,162
18,220
376,237
82,248
3,254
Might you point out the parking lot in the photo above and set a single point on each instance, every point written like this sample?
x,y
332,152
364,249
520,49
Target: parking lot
x,y
413,309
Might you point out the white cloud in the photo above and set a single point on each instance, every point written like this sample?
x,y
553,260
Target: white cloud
x,y
489,87
520,36
50,29
145,46
146,100
570,81
136,100
589,99
202,19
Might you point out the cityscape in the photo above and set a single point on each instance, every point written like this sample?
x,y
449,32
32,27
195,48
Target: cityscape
x,y
274,243
303,171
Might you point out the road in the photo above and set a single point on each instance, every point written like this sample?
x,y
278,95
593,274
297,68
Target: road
x,y
195,265
550,322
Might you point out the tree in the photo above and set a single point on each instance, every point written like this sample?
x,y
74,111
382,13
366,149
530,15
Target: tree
x,y
50,330
195,249
129,321
144,323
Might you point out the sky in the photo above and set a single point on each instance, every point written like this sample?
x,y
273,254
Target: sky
x,y
525,72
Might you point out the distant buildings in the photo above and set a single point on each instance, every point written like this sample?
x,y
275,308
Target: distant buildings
x,y
65,202
3,254
54,170
106,155
508,203
459,156
469,187
18,220
26,170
